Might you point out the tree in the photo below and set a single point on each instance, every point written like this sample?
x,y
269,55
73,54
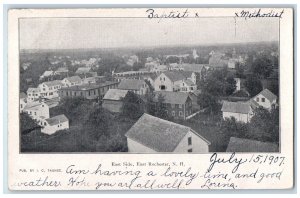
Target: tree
x,y
206,100
132,106
230,86
96,124
264,125
27,124
253,85
150,105
262,66
161,109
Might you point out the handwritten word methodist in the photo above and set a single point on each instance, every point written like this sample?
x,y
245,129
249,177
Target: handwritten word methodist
x,y
259,14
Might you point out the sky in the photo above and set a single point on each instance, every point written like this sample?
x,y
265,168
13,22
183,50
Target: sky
x,y
78,33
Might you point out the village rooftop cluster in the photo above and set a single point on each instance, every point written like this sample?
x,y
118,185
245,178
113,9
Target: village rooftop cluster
x,y
170,79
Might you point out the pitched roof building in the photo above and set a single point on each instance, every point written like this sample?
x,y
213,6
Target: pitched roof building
x,y
151,134
241,111
247,145
266,99
139,87
113,100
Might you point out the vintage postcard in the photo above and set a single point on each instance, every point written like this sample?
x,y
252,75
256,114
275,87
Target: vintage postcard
x,y
150,99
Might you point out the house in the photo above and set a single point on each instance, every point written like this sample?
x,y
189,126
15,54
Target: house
x,y
50,89
113,100
62,71
23,101
47,74
152,135
232,63
71,81
198,68
247,145
96,79
54,124
33,94
266,99
139,87
159,68
241,111
176,81
83,70
37,110
88,91
178,104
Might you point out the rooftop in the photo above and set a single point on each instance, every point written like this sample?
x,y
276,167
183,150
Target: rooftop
x,y
171,97
157,134
268,94
52,83
57,119
73,79
115,94
237,107
131,84
247,145
178,75
88,86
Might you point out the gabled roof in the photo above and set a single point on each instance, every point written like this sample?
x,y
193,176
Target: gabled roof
x,y
62,69
236,107
73,79
115,94
52,83
247,145
171,97
193,67
131,84
178,75
189,82
158,134
52,102
48,73
33,106
82,70
268,94
33,89
57,119
23,95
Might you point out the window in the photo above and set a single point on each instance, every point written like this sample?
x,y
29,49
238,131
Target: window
x,y
75,93
180,113
21,106
190,150
189,140
164,79
173,113
81,93
89,93
180,106
67,93
94,92
173,105
34,113
263,99
257,99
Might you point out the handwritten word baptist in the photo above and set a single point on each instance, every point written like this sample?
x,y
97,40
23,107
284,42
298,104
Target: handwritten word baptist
x,y
258,13
152,14
214,159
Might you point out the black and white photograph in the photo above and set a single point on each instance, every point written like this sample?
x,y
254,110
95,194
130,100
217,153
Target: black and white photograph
x,y
149,85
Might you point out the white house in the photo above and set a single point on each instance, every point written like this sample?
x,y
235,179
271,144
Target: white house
x,y
176,81
47,74
37,111
33,94
152,135
23,101
50,89
54,124
139,87
266,99
71,81
241,111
